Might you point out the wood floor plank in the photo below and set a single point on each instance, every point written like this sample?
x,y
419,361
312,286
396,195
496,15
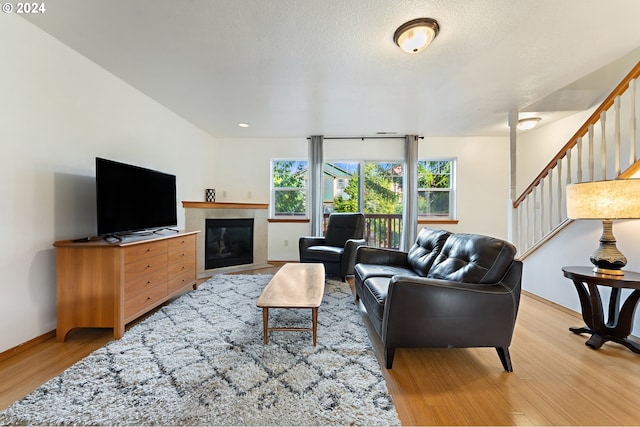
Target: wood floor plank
x,y
557,380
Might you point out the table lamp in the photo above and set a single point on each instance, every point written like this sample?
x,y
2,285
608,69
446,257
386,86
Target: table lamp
x,y
606,201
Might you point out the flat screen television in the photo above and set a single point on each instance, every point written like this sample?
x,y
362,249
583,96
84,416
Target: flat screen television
x,y
132,198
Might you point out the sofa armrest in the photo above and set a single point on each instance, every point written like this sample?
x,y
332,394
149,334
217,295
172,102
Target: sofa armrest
x,y
308,241
305,243
348,261
383,256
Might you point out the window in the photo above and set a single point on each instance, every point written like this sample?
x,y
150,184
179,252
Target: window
x,y
289,188
342,183
436,188
382,188
374,188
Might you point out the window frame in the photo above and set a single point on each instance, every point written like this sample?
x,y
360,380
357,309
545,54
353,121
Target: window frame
x,y
452,189
274,190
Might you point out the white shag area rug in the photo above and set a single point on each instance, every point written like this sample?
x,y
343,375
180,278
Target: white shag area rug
x,y
201,361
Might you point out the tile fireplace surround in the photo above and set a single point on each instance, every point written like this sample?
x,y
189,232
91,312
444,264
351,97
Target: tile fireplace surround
x,y
197,212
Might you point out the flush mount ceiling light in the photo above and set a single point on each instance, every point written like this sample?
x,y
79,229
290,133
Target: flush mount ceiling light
x,y
415,36
528,123
243,125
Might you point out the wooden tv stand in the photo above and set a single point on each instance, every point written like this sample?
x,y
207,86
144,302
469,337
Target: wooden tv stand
x,y
107,285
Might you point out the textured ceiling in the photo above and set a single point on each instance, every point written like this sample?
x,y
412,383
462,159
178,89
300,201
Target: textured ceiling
x,y
293,68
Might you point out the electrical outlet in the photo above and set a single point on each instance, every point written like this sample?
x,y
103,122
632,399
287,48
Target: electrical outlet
x,y
286,243
249,195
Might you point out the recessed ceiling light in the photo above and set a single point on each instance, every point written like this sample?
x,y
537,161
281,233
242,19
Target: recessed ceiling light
x,y
243,125
528,123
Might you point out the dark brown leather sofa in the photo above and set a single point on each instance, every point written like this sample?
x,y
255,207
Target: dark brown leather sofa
x,y
449,290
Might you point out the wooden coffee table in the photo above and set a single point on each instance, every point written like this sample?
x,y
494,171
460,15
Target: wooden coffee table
x,y
293,286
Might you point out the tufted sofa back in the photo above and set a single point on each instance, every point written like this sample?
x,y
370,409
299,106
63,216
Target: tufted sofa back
x,y
425,250
473,258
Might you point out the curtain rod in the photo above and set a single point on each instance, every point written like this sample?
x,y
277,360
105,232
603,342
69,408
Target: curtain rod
x,y
366,137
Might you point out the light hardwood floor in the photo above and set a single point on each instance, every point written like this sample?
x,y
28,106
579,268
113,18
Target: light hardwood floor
x,y
557,380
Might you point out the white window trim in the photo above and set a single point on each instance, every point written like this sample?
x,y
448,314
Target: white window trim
x,y
452,190
272,192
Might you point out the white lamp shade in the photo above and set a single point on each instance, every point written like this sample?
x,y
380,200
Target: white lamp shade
x,y
615,199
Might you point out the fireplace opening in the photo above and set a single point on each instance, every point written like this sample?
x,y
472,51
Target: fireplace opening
x,y
228,242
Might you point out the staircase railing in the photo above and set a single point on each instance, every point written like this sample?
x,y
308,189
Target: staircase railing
x,y
605,147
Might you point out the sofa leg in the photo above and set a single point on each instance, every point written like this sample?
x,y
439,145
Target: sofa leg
x,y
388,357
505,358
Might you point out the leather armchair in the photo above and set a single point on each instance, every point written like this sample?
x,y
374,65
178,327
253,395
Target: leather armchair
x,y
337,249
468,297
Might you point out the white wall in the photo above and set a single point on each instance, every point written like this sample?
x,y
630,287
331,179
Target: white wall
x,y
482,181
483,184
58,111
242,171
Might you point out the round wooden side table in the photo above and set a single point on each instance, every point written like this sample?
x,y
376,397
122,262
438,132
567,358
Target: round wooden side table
x,y
619,322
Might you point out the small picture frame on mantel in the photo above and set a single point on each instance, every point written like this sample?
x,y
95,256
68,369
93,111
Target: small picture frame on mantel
x,y
210,195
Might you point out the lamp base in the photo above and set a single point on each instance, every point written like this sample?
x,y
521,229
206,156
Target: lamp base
x,y
608,271
607,258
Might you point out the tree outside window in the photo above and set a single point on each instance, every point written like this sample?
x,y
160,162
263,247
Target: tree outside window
x,y
435,188
289,187
346,193
382,188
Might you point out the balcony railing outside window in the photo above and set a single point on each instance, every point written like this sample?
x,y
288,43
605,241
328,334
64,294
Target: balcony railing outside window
x,y
381,230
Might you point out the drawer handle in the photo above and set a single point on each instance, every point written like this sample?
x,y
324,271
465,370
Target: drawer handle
x,y
148,265
148,298
148,249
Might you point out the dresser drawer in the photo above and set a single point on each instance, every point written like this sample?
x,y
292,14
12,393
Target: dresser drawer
x,y
179,254
181,262
145,266
144,300
136,253
181,280
139,282
149,263
182,242
144,273
177,268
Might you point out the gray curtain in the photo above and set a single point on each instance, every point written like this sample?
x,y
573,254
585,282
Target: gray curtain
x,y
315,184
410,193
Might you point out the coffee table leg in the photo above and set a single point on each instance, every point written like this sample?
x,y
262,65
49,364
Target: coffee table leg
x,y
314,322
265,323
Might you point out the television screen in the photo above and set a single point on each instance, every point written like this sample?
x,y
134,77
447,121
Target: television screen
x,y
131,198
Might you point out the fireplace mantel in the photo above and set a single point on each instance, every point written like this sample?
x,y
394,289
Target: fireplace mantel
x,y
224,205
196,214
